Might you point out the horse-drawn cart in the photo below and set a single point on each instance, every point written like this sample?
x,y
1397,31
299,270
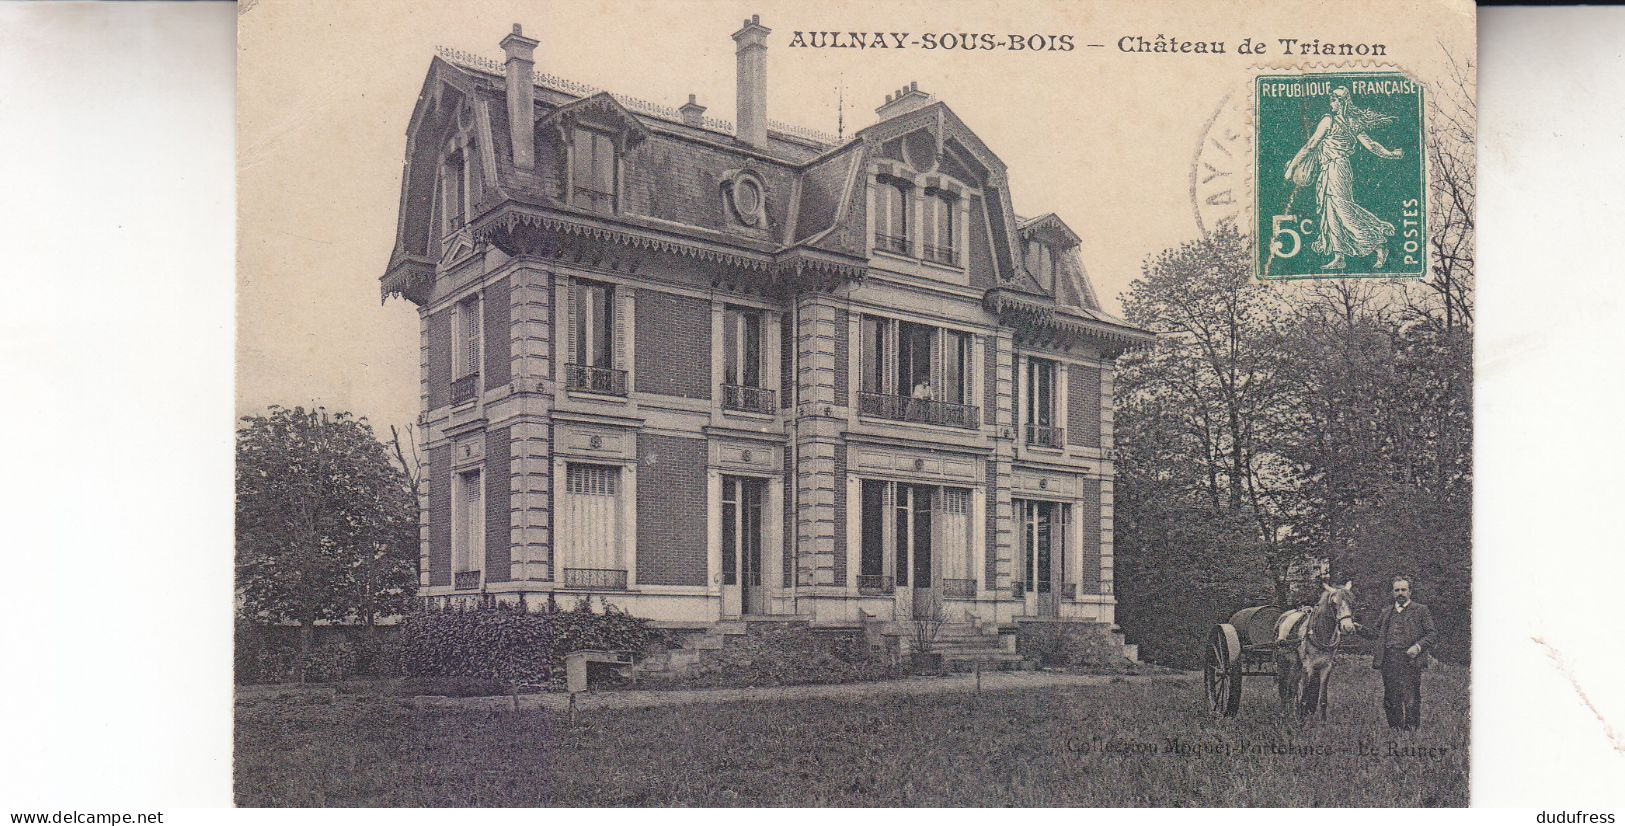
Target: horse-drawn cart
x,y
1243,647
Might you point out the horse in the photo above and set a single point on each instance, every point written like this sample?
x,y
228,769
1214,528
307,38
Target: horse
x,y
1306,648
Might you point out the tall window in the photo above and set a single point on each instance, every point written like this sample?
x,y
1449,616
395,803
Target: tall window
x,y
909,370
915,343
592,170
453,193
742,347
891,215
589,532
915,536
468,529
466,332
956,364
593,323
1041,392
940,239
875,357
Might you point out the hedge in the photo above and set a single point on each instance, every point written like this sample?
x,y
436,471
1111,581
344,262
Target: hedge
x,y
513,645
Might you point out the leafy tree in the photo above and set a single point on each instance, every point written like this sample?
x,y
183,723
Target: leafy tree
x,y
326,526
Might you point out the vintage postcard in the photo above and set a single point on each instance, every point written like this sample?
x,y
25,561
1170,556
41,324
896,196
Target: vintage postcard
x,y
855,404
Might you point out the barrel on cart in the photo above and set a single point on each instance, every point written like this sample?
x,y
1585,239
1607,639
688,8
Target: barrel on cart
x,y
1242,647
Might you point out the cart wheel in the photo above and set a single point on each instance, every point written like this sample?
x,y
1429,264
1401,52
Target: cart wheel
x,y
1221,671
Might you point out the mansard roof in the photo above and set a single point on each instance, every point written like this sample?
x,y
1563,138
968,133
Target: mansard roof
x,y
815,206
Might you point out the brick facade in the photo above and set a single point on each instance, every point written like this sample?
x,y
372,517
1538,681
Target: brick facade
x,y
1089,512
1083,405
672,510
440,359
498,326
498,513
440,515
673,344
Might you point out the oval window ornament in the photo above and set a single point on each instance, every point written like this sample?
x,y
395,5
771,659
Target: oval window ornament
x,y
747,198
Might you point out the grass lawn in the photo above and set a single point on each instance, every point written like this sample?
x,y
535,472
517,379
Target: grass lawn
x,y
1088,746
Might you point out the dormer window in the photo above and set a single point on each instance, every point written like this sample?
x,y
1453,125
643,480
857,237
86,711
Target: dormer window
x,y
1041,263
453,193
941,240
891,215
592,170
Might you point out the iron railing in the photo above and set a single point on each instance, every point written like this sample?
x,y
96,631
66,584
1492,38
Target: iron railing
x,y
594,199
959,587
595,579
925,411
465,388
875,584
1018,589
892,243
749,399
942,255
607,380
1067,591
1042,435
466,580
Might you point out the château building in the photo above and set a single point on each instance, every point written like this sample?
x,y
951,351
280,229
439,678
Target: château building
x,y
713,371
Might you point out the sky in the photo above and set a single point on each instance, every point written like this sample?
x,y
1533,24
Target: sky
x,y
1107,139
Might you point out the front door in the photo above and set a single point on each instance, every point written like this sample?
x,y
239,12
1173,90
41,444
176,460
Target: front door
x,y
742,546
916,569
1044,556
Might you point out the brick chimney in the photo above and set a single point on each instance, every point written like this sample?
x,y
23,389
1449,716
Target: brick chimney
x,y
752,58
521,52
693,113
906,99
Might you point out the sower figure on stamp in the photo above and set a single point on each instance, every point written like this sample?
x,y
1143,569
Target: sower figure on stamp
x,y
1346,228
1404,634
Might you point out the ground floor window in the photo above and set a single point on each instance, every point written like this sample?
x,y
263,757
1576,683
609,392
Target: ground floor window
x,y
589,532
1042,529
468,529
915,536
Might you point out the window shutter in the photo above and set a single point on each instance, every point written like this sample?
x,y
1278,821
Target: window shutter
x,y
440,348
571,346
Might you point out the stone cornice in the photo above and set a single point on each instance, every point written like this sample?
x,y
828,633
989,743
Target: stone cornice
x,y
1039,320
530,228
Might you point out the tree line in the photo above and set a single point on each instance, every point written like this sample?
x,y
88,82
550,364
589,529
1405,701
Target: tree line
x,y
1280,432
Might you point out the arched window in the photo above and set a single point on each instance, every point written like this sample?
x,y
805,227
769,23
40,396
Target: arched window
x,y
941,239
891,215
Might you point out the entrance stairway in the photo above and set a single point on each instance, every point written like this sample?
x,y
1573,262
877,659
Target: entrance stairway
x,y
966,645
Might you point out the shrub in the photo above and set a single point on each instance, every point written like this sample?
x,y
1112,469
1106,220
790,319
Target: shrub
x,y
787,655
269,653
513,645
1071,645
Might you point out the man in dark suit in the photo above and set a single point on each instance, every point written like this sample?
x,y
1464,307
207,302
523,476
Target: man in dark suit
x,y
1404,634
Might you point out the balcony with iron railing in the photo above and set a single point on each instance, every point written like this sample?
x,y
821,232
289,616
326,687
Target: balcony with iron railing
x,y
1062,590
595,579
892,243
962,588
875,584
922,411
942,255
749,399
465,388
1042,435
606,380
466,580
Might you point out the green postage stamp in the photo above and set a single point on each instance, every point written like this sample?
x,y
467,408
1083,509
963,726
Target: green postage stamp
x,y
1339,184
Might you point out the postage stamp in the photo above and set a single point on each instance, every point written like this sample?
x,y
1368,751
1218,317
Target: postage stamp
x,y
1339,185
